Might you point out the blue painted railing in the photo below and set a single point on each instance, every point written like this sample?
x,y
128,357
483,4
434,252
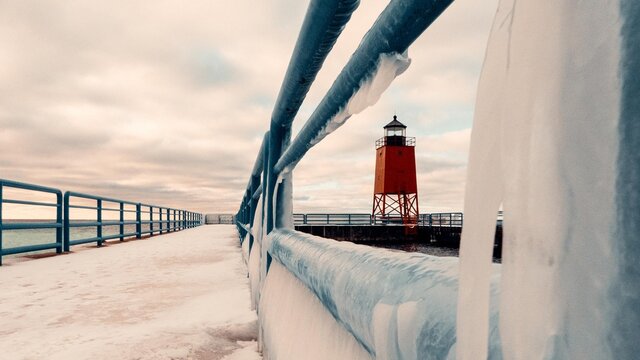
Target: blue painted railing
x,y
57,225
161,219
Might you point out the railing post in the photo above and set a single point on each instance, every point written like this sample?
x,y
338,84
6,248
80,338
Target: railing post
x,y
1,187
167,220
160,224
59,229
138,221
121,221
66,222
99,218
150,220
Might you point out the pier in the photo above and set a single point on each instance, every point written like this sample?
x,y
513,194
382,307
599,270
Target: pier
x,y
180,295
554,142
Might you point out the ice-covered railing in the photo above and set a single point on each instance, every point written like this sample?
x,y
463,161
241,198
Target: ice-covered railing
x,y
265,211
398,305
556,132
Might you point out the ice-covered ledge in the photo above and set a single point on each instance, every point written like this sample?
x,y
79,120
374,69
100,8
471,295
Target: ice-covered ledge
x,y
180,295
396,305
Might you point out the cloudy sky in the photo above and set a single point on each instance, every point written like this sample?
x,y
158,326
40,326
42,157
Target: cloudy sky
x,y
166,102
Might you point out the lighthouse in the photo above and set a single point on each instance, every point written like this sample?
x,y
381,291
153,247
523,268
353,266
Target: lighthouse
x,y
395,194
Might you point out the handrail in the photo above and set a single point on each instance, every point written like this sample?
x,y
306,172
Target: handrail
x,y
168,220
58,225
433,220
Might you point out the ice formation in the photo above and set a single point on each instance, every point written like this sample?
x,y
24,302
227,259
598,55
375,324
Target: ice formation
x,y
245,249
396,305
545,145
296,325
389,66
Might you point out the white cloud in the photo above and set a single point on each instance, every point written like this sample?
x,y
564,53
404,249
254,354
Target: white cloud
x,y
167,102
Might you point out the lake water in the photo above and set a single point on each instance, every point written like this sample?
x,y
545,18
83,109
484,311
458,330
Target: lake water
x,y
16,238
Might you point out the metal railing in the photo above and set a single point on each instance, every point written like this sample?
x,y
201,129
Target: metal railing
x,y
57,225
332,219
393,32
452,219
166,219
210,219
395,141
267,201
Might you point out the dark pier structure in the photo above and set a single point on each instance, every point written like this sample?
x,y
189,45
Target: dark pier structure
x,y
438,230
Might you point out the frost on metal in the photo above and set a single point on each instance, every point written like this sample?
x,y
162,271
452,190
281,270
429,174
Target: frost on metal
x,y
396,305
389,66
379,58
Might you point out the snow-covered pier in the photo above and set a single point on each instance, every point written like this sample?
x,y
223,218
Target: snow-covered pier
x,y
181,295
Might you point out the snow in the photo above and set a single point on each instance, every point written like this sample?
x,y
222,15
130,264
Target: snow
x,y
544,145
389,66
181,295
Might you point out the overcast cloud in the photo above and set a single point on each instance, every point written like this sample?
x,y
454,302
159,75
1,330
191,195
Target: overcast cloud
x,y
167,102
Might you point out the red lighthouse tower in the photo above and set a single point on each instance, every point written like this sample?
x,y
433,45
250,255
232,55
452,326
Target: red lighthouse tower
x,y
395,194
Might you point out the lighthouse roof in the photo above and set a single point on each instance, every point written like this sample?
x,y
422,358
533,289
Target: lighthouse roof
x,y
395,123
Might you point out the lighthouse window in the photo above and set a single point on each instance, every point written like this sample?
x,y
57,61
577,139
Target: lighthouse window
x,y
395,131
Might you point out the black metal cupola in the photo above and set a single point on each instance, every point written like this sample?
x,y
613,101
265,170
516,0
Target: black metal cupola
x,y
395,128
395,134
